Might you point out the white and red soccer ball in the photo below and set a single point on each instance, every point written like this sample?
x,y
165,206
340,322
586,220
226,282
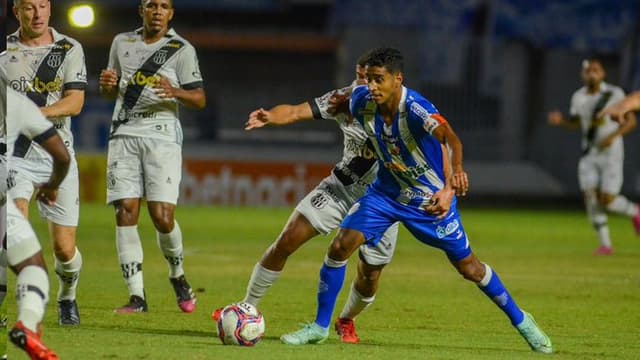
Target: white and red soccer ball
x,y
240,324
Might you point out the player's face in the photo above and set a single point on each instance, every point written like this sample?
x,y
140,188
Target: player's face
x,y
156,15
33,16
592,73
361,75
382,84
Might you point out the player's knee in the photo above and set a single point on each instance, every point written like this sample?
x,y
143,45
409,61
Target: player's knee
x,y
605,200
35,260
126,214
164,223
472,272
339,250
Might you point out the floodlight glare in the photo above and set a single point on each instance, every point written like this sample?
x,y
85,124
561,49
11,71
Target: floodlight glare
x,y
81,16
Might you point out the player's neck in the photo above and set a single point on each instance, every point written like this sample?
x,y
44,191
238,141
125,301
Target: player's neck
x,y
593,89
149,37
45,38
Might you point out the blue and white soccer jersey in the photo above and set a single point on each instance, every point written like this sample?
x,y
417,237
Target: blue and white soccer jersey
x,y
600,169
43,74
326,206
144,157
410,172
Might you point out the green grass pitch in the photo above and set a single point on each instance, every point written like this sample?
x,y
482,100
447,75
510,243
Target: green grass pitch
x,y
589,306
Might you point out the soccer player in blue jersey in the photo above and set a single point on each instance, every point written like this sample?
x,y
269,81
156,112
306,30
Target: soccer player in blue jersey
x,y
406,131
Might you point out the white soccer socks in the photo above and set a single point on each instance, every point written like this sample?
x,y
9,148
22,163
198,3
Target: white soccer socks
x,y
32,293
356,303
260,282
68,275
622,206
130,256
171,246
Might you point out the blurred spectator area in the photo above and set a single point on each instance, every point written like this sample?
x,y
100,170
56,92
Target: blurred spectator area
x,y
493,68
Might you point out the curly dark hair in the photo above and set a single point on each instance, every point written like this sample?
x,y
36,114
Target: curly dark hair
x,y
389,58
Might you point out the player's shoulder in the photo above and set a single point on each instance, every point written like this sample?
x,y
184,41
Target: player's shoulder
x,y
418,105
360,93
128,36
173,35
65,40
615,90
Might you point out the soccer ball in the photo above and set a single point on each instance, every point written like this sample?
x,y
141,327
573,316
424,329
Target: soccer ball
x,y
240,324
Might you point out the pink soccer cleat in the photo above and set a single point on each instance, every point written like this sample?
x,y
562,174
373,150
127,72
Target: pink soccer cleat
x,y
603,251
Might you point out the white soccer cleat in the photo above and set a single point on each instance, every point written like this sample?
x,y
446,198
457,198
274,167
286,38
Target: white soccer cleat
x,y
535,337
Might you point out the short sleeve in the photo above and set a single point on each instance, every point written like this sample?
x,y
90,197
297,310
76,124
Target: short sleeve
x,y
320,105
114,64
188,69
427,115
75,69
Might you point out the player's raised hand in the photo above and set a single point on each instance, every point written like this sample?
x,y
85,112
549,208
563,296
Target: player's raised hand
x,y
554,118
257,119
108,79
460,182
164,90
440,203
339,103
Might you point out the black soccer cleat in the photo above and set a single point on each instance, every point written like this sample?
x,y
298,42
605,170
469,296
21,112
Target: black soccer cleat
x,y
184,294
68,314
136,305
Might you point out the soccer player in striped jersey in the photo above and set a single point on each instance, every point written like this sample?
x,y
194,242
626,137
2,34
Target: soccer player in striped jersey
x,y
49,68
600,170
406,131
20,247
322,210
151,72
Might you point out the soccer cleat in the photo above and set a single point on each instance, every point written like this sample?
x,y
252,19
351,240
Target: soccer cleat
x,y
636,221
215,316
309,334
535,337
136,305
31,343
346,329
184,294
603,251
68,313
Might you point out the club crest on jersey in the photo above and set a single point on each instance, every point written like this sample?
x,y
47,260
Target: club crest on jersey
x,y
54,60
160,56
319,200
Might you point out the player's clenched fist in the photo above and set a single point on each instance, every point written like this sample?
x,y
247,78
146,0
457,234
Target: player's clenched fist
x,y
108,79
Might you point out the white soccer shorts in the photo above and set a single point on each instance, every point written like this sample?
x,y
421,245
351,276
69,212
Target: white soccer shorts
x,y
602,170
328,203
29,173
143,168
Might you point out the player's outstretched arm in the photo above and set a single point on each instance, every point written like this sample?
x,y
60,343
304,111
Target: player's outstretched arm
x,y
283,114
108,82
48,191
618,110
556,118
70,105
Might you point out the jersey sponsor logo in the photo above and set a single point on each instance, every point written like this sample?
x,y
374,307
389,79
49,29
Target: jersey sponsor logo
x,y
140,79
450,228
412,171
25,85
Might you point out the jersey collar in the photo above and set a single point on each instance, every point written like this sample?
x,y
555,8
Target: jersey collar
x,y
170,33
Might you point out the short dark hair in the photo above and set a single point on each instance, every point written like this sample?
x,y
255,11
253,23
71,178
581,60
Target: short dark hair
x,y
389,58
362,60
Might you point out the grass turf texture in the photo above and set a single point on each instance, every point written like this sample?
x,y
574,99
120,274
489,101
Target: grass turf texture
x,y
424,310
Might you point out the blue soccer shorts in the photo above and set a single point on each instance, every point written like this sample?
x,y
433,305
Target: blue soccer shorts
x,y
375,212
